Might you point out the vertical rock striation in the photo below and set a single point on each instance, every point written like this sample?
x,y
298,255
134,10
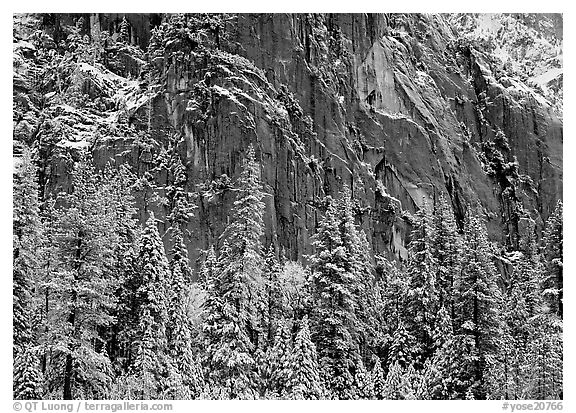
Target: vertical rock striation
x,y
400,108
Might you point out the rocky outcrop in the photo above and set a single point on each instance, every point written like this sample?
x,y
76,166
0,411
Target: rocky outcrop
x,y
398,107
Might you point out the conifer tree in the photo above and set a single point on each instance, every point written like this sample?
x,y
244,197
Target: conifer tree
x,y
152,300
515,339
118,190
178,327
401,347
26,232
82,286
208,268
333,291
358,263
230,320
479,300
303,373
145,382
397,386
179,202
363,384
277,370
274,307
124,31
179,258
379,380
552,282
438,369
422,300
446,248
545,359
27,375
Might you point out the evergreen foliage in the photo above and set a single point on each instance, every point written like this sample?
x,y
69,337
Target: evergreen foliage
x,y
552,281
230,322
116,317
27,376
26,232
334,320
479,300
304,377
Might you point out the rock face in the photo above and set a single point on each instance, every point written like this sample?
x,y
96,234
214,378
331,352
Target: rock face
x,y
401,108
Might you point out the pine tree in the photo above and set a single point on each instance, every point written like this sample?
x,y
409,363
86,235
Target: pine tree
x,y
27,375
230,321
146,364
552,281
151,300
358,263
124,31
422,301
179,202
417,383
304,378
118,189
438,368
82,286
401,347
379,380
446,249
397,386
27,233
208,268
183,362
277,366
452,368
363,384
179,256
274,307
515,339
334,320
545,358
390,308
479,300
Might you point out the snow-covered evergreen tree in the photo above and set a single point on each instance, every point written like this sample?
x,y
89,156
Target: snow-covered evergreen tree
x,y
273,308
183,362
552,280
422,301
124,35
545,358
230,319
27,375
446,248
397,385
152,301
363,383
333,292
479,306
379,380
26,233
179,199
303,373
81,287
358,263
208,268
118,190
277,371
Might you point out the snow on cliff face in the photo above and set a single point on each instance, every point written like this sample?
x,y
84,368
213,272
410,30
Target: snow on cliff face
x,y
527,48
395,106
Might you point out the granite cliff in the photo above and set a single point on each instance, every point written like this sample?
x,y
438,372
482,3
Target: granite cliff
x,y
400,108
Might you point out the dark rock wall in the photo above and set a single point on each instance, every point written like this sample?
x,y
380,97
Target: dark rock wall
x,y
391,105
